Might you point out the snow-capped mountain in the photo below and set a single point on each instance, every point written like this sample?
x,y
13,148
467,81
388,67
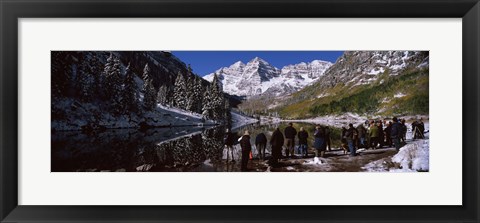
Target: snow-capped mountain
x,y
259,77
364,67
365,82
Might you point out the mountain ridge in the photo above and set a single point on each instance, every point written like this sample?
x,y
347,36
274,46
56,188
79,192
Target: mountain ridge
x,y
258,77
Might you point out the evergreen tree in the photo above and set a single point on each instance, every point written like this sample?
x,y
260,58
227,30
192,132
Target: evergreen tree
x,y
180,92
206,104
106,72
162,95
228,115
217,100
130,92
190,103
146,73
149,93
96,70
61,73
197,95
85,79
113,83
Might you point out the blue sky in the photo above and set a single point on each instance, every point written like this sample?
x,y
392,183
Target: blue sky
x,y
205,62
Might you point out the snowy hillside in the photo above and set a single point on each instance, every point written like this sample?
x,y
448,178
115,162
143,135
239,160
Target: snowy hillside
x,y
78,116
96,90
259,77
365,67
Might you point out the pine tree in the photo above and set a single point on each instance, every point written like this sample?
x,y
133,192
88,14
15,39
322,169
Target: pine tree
x,y
190,103
162,95
106,73
130,92
149,100
217,100
206,104
180,92
113,83
198,95
146,73
61,74
96,70
228,115
86,79
149,93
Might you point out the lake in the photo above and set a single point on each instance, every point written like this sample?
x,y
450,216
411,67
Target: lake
x,y
177,149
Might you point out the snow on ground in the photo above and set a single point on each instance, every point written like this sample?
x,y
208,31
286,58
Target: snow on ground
x,y
334,120
412,157
239,120
315,160
399,95
180,111
376,71
73,115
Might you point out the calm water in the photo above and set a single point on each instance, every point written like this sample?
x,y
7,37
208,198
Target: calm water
x,y
160,150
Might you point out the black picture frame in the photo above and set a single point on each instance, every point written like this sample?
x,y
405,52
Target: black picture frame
x,y
11,11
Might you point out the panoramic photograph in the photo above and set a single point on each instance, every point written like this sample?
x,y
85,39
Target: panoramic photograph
x,y
240,111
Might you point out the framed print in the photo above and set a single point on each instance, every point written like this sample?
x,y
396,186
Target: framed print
x,y
288,111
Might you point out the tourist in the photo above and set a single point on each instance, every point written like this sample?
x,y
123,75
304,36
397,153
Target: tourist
x,y
290,133
373,133
303,142
404,131
246,149
319,144
261,144
276,141
362,132
351,135
396,133
388,132
421,128
327,138
381,135
229,140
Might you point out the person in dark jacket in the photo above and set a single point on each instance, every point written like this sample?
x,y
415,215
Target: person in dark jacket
x,y
396,133
246,149
290,133
229,140
261,144
421,128
388,137
404,128
362,132
320,142
415,130
303,142
327,138
381,135
351,136
276,141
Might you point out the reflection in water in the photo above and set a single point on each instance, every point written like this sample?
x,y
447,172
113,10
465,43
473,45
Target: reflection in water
x,y
163,149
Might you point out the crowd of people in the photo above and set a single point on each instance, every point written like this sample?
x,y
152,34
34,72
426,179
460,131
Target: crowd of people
x,y
372,134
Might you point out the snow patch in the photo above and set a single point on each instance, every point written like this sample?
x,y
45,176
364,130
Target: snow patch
x,y
413,157
315,161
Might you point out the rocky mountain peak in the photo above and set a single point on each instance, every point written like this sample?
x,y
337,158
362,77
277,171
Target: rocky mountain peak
x,y
260,77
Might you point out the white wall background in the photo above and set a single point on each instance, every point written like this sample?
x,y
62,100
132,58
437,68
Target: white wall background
x,y
442,185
